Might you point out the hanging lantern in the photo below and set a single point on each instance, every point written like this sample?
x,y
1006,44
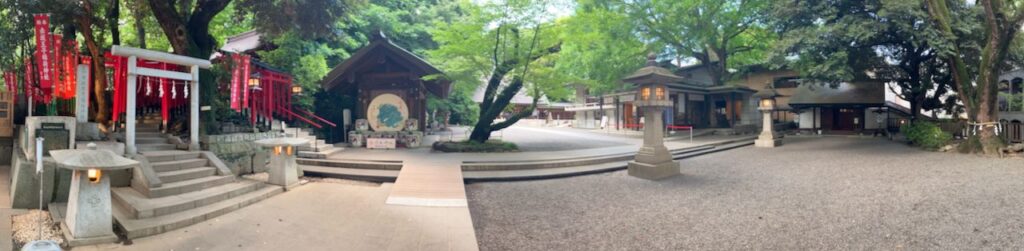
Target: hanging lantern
x,y
296,89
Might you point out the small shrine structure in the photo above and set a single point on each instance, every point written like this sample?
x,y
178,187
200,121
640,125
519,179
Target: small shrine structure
x,y
388,83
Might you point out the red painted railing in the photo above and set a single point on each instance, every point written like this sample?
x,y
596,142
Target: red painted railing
x,y
307,113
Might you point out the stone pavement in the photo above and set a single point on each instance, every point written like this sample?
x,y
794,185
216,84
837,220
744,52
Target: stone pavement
x,y
322,216
429,182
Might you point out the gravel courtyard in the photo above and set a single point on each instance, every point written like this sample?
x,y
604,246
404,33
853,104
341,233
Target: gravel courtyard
x,y
811,193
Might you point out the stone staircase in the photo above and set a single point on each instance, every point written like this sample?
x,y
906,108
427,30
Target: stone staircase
x,y
317,148
191,188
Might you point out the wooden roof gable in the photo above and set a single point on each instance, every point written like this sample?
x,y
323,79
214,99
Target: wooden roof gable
x,y
379,55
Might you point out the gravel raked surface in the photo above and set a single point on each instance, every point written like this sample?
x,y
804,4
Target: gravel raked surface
x,y
811,193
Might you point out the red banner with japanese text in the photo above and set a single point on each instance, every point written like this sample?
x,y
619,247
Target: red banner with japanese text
x,y
58,66
27,87
245,79
43,49
235,82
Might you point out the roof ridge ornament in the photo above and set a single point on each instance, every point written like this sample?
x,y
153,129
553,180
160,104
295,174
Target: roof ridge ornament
x,y
378,35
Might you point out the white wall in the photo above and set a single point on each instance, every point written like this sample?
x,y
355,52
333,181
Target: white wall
x,y
808,116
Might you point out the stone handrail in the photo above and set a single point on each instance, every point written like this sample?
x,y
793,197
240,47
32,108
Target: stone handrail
x,y
222,169
144,173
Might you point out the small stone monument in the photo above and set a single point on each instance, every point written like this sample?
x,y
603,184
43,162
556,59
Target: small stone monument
x,y
283,170
88,219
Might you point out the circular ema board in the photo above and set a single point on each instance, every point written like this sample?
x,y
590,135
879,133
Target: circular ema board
x,y
387,113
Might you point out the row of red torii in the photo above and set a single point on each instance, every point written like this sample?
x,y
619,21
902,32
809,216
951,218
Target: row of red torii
x,y
159,72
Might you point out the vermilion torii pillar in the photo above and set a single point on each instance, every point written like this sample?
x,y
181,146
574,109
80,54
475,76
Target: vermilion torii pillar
x,y
192,78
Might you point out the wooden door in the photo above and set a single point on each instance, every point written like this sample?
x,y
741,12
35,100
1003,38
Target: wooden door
x,y
845,119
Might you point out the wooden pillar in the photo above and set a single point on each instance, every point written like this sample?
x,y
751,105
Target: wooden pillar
x,y
709,100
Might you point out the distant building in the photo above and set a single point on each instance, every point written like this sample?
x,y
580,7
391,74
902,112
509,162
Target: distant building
x,y
849,107
1011,105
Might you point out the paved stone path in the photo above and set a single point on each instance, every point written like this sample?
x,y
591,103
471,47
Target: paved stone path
x,y
429,182
831,193
322,216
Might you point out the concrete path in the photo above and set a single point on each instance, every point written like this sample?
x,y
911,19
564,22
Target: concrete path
x,y
429,182
322,216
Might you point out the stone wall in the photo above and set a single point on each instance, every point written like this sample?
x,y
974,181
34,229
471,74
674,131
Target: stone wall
x,y
239,150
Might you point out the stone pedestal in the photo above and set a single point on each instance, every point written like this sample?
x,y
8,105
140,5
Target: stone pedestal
x,y
767,138
283,169
89,218
653,161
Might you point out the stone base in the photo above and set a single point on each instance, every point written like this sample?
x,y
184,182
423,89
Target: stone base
x,y
768,143
653,171
75,242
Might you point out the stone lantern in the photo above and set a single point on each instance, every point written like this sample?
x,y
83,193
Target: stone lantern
x,y
89,217
283,169
766,100
653,161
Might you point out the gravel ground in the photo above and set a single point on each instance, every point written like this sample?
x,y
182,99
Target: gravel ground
x,y
26,228
811,193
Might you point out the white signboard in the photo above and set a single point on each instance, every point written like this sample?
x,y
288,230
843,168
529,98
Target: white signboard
x,y
380,143
82,94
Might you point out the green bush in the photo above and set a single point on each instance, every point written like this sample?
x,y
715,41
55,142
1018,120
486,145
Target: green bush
x,y
490,146
926,135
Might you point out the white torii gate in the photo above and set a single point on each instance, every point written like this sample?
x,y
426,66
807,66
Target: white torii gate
x,y
134,54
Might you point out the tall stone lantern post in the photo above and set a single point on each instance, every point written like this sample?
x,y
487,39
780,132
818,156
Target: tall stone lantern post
x,y
766,99
89,218
653,161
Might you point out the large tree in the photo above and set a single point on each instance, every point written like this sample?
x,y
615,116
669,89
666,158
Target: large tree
x,y
711,31
1001,21
890,39
511,45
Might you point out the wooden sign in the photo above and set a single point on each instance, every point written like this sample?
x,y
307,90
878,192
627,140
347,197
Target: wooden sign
x,y
380,143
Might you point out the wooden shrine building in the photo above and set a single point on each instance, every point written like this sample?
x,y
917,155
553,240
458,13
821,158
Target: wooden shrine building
x,y
379,72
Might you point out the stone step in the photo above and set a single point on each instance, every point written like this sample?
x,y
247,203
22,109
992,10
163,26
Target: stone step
x,y
155,147
351,173
175,165
322,154
136,228
150,140
149,135
160,156
356,164
318,148
186,174
560,172
175,188
139,206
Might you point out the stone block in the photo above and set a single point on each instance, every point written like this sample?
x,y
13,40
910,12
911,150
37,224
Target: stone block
x,y
88,132
35,122
653,171
25,182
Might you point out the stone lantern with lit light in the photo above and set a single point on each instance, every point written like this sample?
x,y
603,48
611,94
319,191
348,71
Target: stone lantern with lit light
x,y
653,161
766,100
89,218
284,170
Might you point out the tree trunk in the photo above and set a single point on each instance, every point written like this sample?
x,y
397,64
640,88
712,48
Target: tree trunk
x,y
140,29
99,84
113,15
